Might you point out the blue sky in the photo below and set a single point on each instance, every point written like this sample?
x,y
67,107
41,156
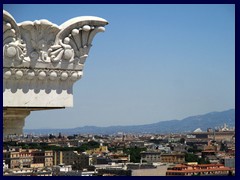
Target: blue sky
x,y
153,63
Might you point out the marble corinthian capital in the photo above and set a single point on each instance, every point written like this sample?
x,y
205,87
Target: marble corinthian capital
x,y
42,61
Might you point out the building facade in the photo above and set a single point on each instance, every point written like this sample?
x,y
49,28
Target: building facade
x,y
77,160
200,170
173,158
151,157
26,158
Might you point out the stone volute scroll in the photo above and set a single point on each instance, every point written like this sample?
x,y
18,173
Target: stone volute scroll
x,y
14,50
41,62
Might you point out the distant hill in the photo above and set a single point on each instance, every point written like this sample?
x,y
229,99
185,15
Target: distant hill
x,y
209,120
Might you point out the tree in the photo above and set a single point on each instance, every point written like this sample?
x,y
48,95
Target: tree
x,y
134,153
71,137
182,140
223,147
51,136
191,157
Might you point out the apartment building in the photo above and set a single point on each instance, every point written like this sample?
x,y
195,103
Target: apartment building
x,y
193,169
150,156
173,158
78,160
157,156
26,158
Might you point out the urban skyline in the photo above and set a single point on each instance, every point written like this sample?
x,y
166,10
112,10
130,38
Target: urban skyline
x,y
197,153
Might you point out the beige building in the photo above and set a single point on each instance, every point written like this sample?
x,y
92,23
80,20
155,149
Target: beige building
x,y
18,158
45,157
26,158
152,157
158,171
78,160
173,158
100,150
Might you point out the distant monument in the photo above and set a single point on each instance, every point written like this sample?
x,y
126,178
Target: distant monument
x,y
41,62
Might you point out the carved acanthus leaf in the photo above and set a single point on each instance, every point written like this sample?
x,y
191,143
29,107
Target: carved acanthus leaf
x,y
42,44
39,36
74,40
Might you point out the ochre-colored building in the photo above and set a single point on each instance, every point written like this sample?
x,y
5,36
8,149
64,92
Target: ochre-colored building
x,y
198,169
163,158
26,158
173,158
100,150
45,157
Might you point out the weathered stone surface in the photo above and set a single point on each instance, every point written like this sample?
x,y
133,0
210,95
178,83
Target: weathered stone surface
x,y
42,61
14,120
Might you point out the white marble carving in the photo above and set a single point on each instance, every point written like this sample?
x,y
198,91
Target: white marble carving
x,y
40,54
42,61
14,50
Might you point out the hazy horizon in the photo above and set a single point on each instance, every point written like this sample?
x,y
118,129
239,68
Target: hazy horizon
x,y
134,124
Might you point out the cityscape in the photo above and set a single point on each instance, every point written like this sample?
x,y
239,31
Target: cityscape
x,y
209,152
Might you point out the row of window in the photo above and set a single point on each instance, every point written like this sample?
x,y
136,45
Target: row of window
x,y
194,173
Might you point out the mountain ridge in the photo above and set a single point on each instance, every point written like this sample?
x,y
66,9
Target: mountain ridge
x,y
209,120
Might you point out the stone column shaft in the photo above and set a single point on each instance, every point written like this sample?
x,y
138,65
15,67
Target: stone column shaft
x,y
14,120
